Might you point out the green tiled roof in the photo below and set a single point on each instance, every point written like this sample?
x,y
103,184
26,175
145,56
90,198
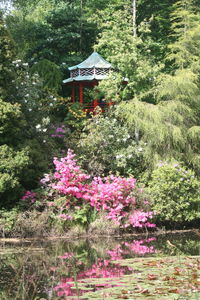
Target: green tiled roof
x,y
95,60
94,67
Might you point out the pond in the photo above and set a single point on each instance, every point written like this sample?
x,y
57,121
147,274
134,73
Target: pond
x,y
166,266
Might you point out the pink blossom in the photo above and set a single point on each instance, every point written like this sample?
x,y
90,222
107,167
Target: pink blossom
x,y
30,196
66,255
112,194
65,217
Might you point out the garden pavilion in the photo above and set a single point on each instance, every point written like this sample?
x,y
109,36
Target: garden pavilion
x,y
88,74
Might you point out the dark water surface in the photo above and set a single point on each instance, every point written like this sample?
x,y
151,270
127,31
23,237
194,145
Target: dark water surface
x,y
101,268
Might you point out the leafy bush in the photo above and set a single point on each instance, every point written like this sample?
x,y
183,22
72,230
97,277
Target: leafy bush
x,y
7,221
175,193
12,167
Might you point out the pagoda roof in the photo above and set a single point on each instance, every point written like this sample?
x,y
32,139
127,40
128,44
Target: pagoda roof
x,y
95,60
93,68
85,78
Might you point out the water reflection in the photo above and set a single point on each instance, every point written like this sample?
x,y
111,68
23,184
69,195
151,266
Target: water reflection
x,y
69,286
62,269
103,268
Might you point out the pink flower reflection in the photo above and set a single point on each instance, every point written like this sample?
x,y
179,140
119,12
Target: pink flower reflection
x,y
102,269
136,246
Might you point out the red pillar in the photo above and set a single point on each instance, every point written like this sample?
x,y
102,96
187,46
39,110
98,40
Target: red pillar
x,y
81,93
95,103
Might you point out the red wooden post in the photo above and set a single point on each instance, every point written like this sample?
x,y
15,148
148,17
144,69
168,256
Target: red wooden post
x,y
95,103
73,94
81,93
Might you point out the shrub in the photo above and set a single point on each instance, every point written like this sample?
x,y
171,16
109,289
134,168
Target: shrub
x,y
12,168
112,194
175,193
7,221
107,145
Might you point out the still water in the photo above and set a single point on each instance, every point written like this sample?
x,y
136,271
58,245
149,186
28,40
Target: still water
x,y
140,267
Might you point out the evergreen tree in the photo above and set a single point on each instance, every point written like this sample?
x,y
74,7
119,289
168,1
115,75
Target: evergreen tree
x,y
185,22
6,58
14,157
131,56
50,74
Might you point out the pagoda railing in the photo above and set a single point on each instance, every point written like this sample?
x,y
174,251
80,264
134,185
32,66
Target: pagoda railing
x,y
89,72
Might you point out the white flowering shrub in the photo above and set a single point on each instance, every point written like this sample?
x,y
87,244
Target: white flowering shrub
x,y
107,145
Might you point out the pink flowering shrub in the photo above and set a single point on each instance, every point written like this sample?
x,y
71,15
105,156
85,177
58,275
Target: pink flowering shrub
x,y
112,194
29,197
59,132
70,180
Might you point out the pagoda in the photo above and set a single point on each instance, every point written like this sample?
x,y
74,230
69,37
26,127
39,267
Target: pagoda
x,y
88,74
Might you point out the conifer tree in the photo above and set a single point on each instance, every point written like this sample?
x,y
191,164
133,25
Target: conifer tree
x,y
130,55
6,58
185,25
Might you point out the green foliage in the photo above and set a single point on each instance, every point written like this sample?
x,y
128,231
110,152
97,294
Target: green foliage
x,y
6,57
163,128
185,25
84,215
24,134
12,166
14,157
10,123
49,73
7,220
58,31
175,193
159,13
107,144
158,118
182,85
75,117
130,56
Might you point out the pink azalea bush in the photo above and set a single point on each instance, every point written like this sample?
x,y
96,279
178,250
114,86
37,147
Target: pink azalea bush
x,y
113,194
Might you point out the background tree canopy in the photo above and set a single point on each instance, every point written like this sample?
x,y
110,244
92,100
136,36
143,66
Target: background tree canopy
x,y
156,115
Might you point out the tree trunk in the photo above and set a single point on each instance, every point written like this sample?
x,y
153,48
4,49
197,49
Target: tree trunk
x,y
134,18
